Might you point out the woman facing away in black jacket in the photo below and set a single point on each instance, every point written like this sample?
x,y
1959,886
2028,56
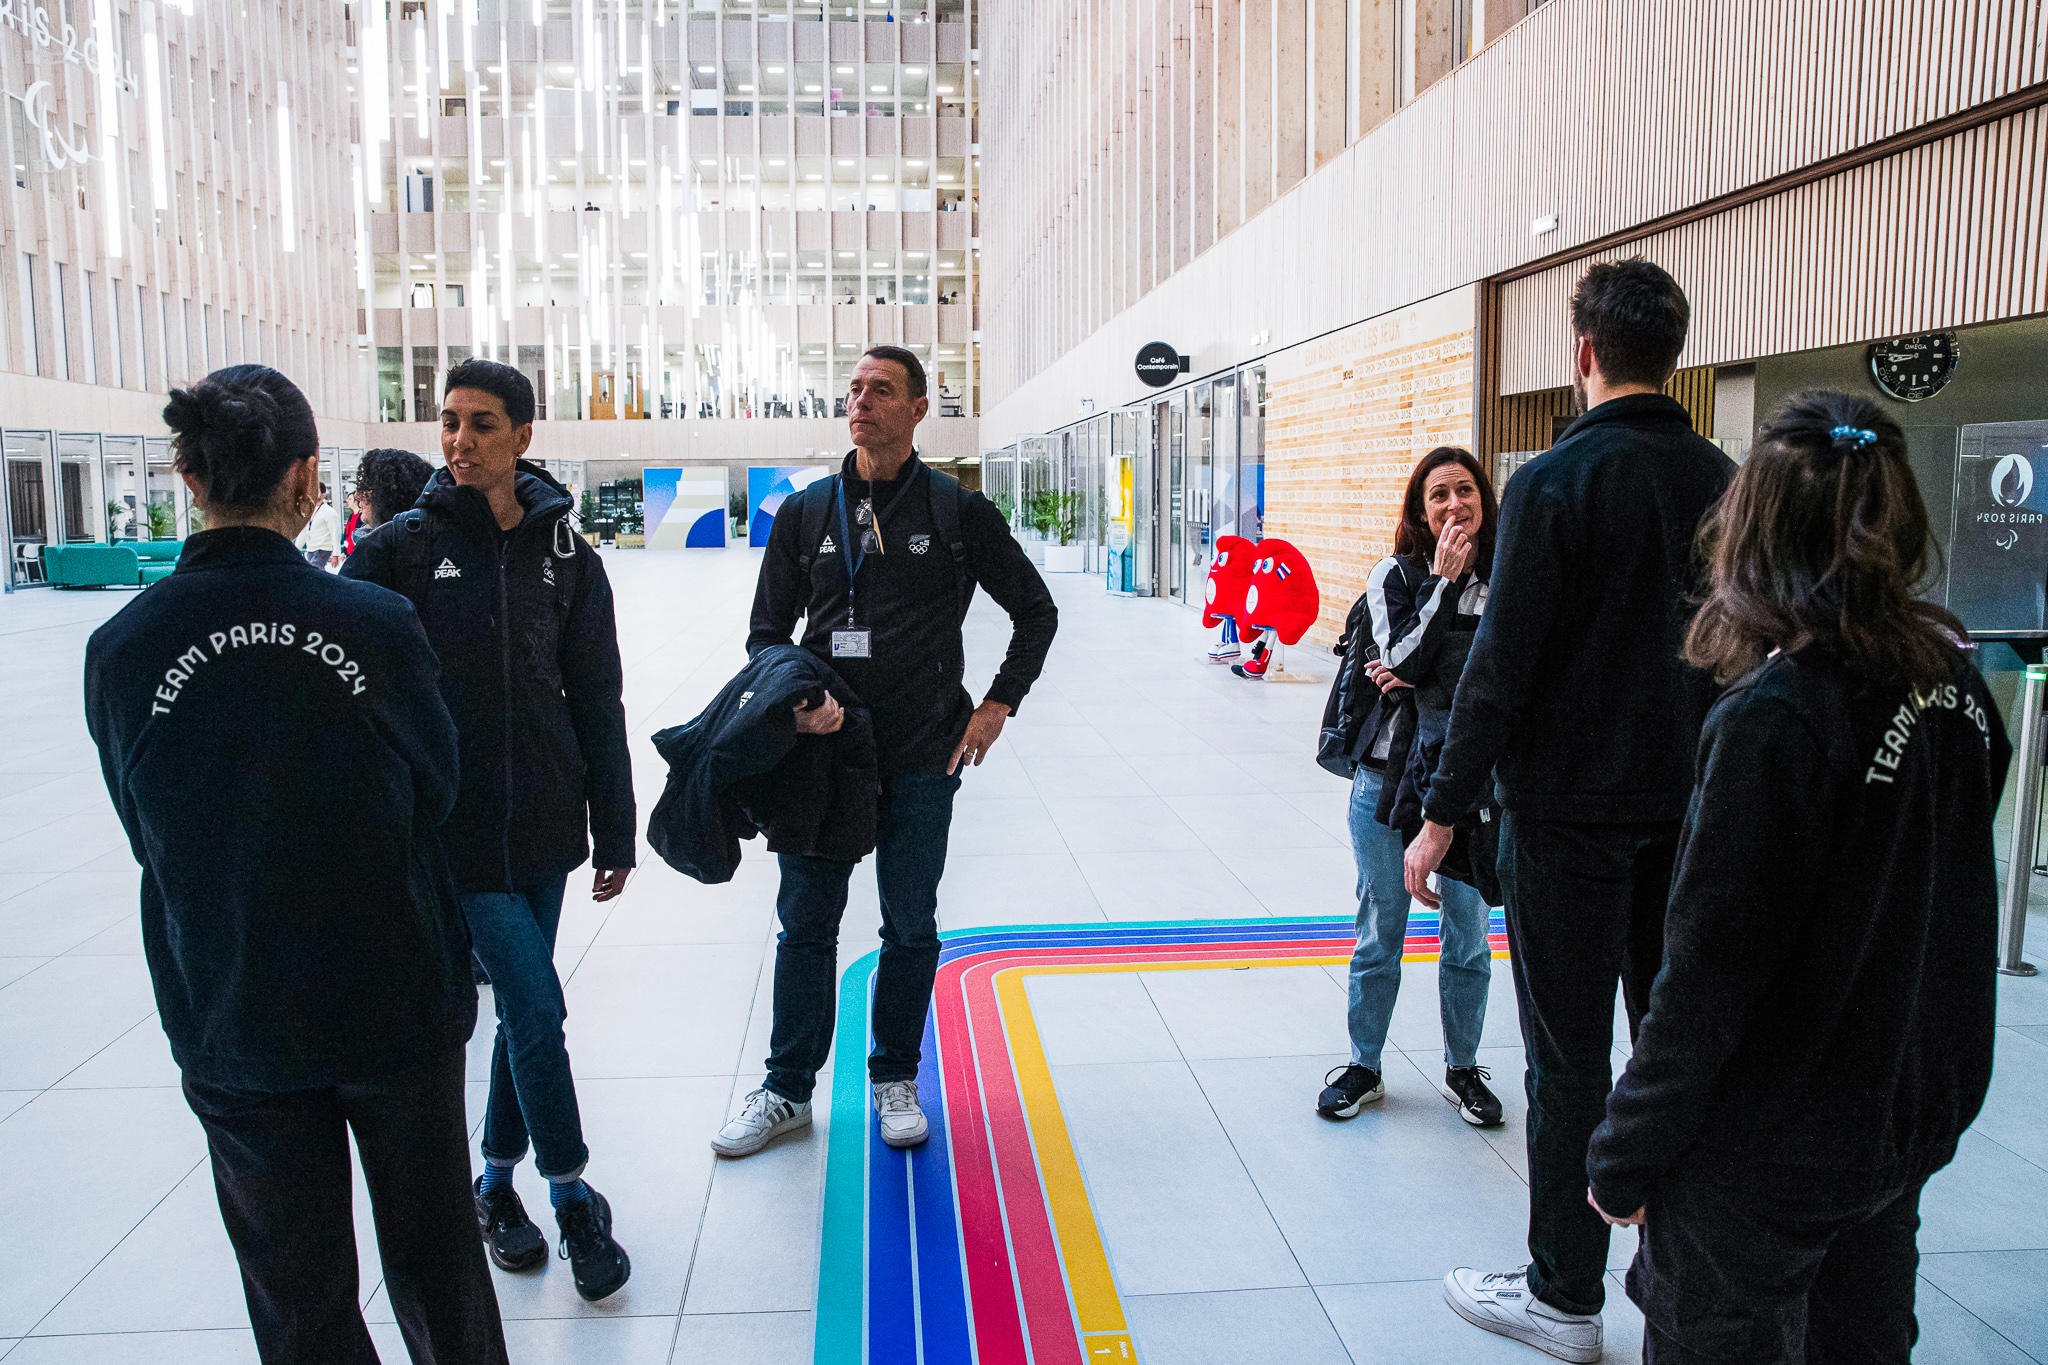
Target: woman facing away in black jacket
x,y
309,958
1422,605
1820,1032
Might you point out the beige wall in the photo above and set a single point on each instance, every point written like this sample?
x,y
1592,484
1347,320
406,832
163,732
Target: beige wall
x,y
1347,417
1445,192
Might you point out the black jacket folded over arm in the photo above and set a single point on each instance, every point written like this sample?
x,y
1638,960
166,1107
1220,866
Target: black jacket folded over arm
x,y
740,768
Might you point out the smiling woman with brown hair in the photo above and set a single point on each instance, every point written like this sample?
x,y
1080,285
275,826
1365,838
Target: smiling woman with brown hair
x,y
1819,1035
1421,605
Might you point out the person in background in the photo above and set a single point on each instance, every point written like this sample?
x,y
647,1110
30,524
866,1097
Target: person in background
x,y
309,958
1424,602
349,528
321,540
388,482
518,607
1578,709
1820,1033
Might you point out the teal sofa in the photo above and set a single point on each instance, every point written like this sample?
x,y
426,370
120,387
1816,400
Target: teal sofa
x,y
131,564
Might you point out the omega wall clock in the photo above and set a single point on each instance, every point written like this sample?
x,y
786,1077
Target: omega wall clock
x,y
1914,369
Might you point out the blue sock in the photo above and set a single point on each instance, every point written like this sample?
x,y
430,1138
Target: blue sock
x,y
496,1178
562,1193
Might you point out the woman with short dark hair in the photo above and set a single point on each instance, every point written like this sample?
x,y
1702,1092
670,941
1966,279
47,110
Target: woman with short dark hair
x,y
310,960
1820,1032
1421,605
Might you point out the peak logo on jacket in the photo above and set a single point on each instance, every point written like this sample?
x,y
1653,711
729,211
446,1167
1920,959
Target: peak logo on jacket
x,y
277,634
447,569
828,548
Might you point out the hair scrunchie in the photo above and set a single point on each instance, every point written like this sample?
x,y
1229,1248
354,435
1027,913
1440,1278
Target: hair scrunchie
x,y
1857,438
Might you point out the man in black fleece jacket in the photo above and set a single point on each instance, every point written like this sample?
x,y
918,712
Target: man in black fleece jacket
x,y
868,559
1576,697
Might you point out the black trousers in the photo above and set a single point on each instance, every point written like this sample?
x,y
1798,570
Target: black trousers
x,y
1585,909
1777,1273
280,1167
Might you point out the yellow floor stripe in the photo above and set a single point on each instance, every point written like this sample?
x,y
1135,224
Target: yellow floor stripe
x,y
1097,1306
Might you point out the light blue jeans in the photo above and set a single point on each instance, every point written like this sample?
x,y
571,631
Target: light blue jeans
x,y
1465,969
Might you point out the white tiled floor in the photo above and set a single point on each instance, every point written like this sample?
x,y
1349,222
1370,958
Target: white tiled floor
x,y
1137,784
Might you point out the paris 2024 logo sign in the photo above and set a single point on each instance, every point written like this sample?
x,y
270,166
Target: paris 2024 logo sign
x,y
2012,483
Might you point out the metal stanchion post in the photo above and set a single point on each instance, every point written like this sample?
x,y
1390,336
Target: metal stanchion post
x,y
2026,810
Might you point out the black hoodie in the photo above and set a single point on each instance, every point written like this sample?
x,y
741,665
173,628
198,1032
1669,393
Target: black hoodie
x,y
294,940
522,622
1575,696
1824,1015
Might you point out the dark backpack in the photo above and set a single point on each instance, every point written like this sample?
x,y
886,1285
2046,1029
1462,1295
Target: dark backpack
x,y
1356,710
816,503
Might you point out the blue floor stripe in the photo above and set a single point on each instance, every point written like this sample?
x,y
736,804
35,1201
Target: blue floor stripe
x,y
937,1310
942,1290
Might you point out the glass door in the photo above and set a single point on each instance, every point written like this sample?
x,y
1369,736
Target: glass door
x,y
81,503
163,509
1223,429
1200,502
1176,500
29,518
121,487
1251,453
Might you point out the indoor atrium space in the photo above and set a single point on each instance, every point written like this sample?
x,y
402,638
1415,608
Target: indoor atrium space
x,y
863,682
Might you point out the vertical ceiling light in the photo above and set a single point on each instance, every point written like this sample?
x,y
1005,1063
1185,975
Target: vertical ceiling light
x,y
419,71
153,110
288,204
441,44
111,215
373,55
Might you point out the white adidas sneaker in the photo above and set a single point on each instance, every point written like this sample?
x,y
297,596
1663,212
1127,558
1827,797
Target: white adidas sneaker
x,y
763,1117
1502,1304
903,1121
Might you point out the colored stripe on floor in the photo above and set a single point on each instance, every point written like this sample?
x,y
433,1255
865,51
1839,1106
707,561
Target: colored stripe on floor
x,y
983,1238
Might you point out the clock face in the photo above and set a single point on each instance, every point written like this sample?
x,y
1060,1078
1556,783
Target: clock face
x,y
1915,368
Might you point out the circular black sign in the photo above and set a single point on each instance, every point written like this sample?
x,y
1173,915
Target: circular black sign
x,y
1913,369
1158,364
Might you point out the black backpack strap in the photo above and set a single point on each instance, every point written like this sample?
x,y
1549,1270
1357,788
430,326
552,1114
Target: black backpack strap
x,y
946,495
414,573
814,505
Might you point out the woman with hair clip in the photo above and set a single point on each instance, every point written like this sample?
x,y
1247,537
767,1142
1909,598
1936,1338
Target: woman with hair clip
x,y
1422,605
1820,1032
310,960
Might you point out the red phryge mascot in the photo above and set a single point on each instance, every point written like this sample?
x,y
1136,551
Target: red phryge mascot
x,y
1281,598
1230,574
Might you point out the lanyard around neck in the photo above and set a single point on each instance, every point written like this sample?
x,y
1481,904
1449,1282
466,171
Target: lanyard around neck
x,y
851,552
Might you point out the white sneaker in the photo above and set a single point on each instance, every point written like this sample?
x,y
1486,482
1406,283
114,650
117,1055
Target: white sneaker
x,y
1502,1304
902,1117
763,1117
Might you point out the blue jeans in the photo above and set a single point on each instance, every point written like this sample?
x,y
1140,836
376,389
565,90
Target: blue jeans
x,y
1465,969
532,1091
915,816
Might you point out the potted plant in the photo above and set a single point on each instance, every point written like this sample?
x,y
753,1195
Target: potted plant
x,y
736,512
163,521
586,515
1054,516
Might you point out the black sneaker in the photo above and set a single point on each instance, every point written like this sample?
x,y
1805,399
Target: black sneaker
x,y
1347,1089
510,1237
1476,1104
601,1265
